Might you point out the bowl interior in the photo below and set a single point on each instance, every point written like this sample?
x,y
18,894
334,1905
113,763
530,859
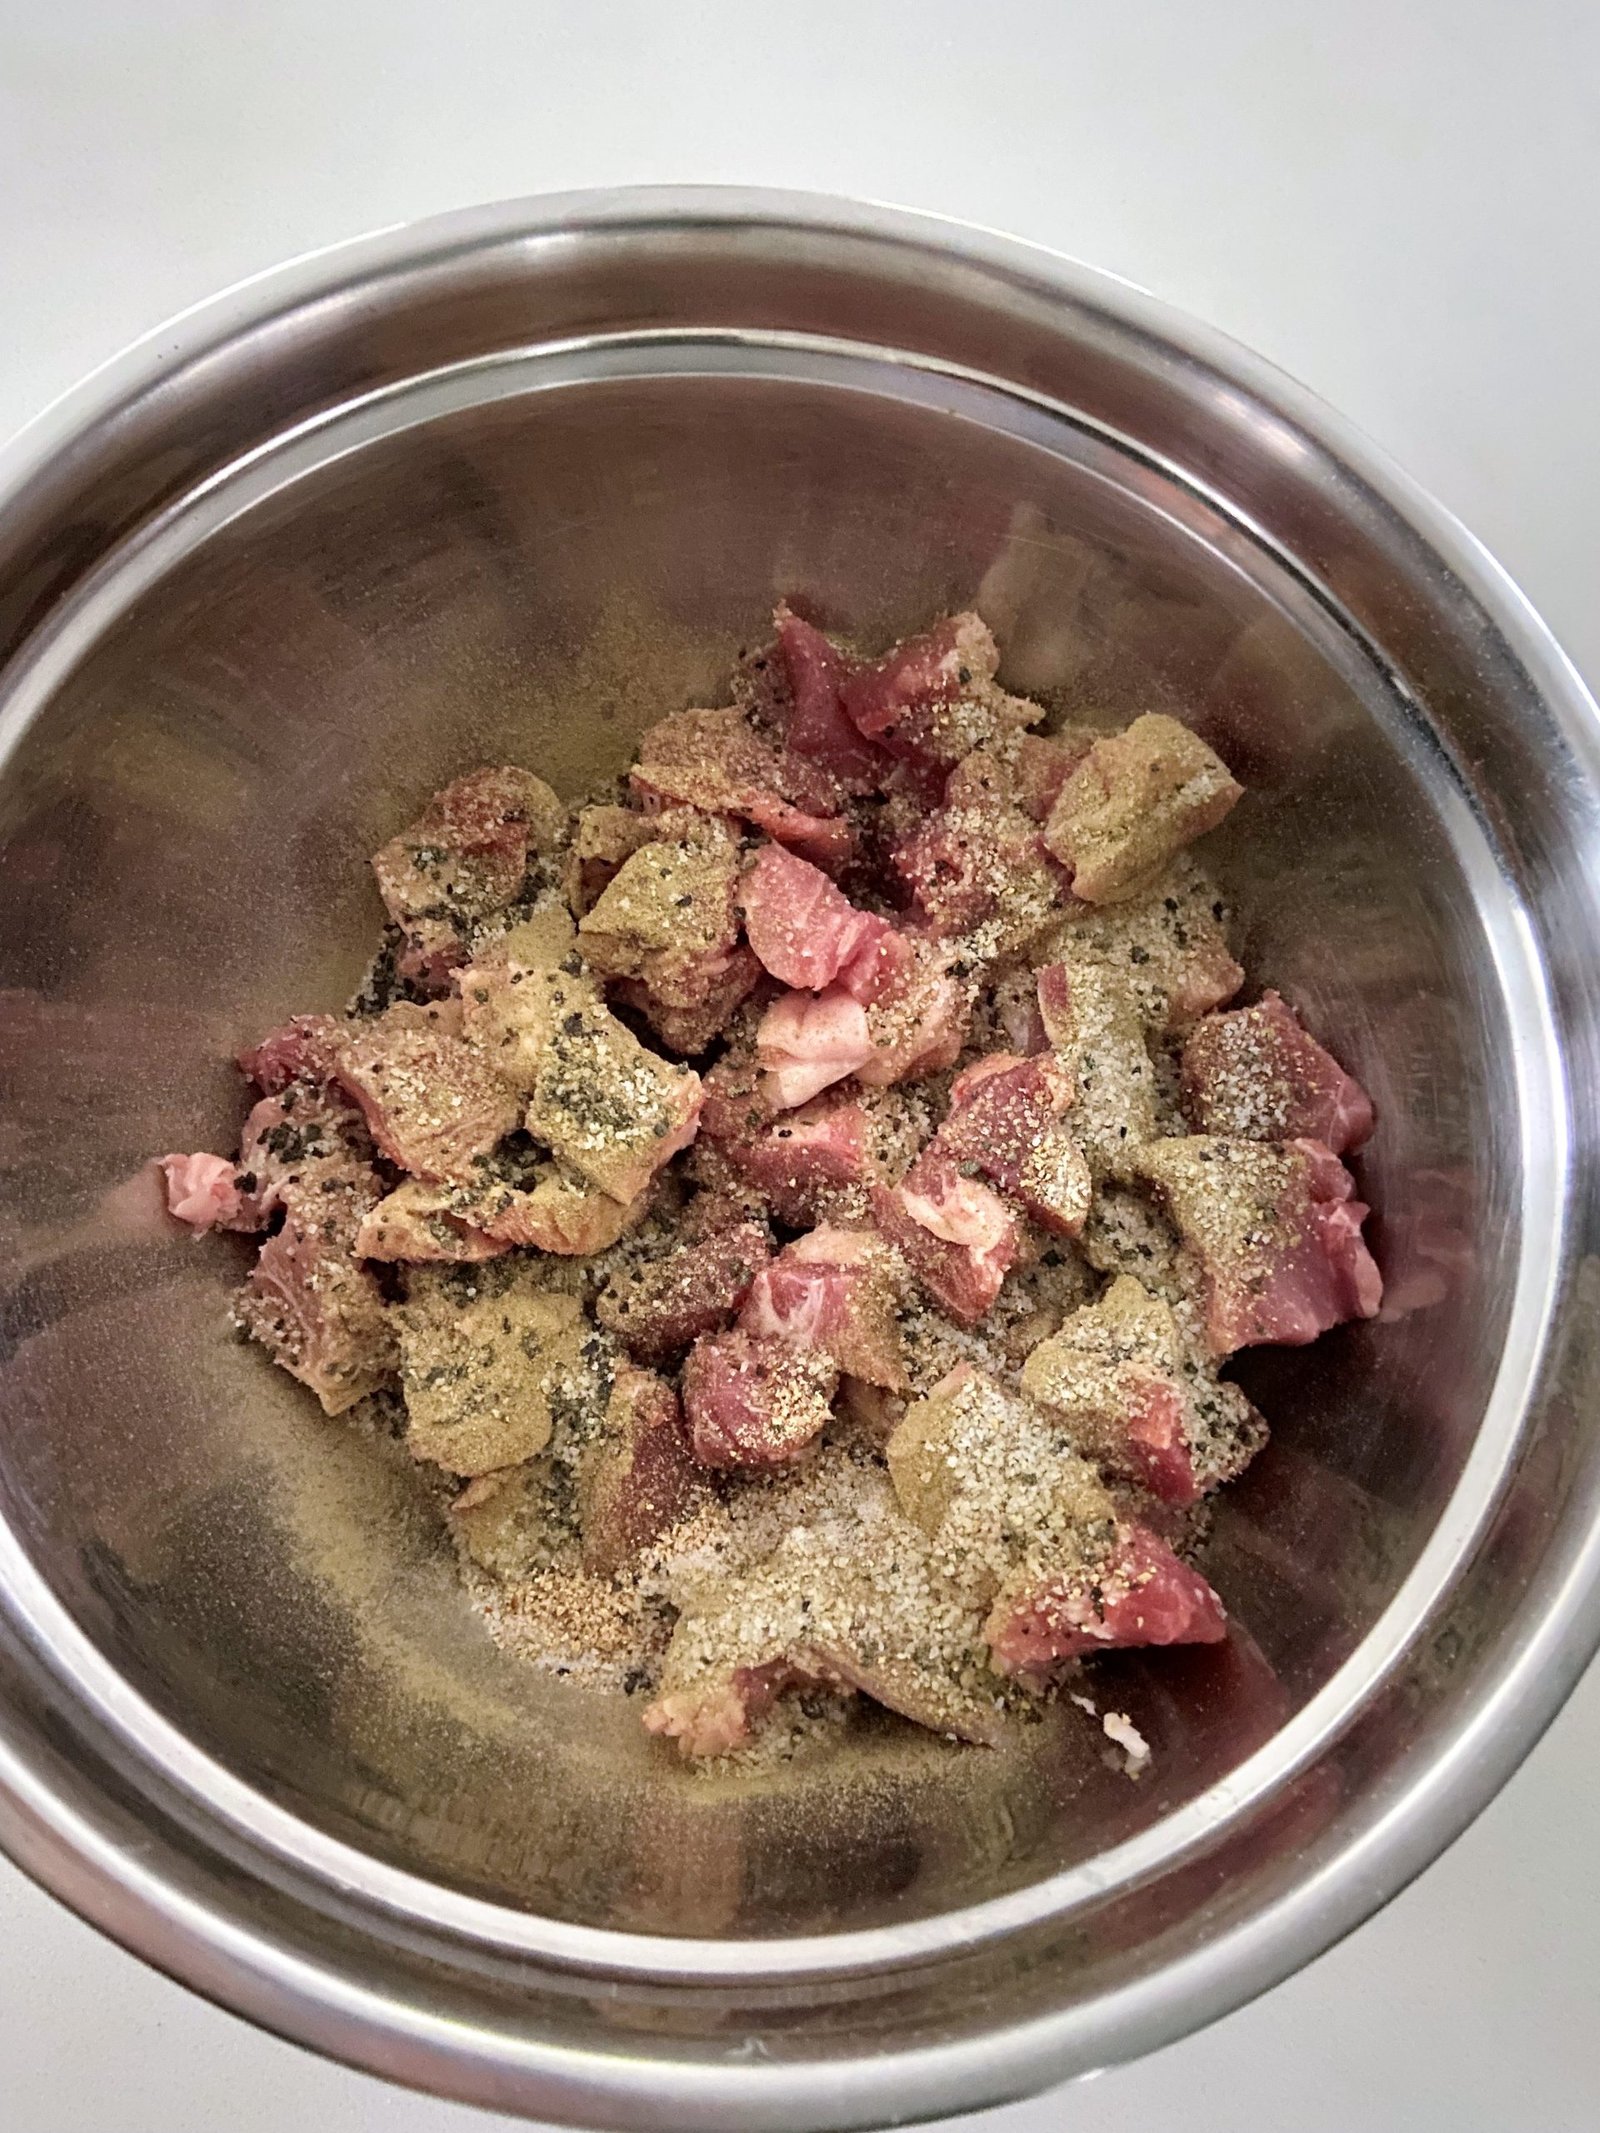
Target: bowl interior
x,y
529,561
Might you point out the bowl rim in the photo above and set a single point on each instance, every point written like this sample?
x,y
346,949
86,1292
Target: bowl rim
x,y
85,1866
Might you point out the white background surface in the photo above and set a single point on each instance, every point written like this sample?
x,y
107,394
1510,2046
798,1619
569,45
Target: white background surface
x,y
1399,201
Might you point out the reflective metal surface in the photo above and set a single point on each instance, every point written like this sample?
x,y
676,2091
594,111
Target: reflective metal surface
x,y
512,484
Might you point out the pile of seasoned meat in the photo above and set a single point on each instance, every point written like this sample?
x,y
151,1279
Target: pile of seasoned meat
x,y
805,1198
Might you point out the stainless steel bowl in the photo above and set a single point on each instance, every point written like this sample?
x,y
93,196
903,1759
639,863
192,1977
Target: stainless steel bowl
x,y
511,484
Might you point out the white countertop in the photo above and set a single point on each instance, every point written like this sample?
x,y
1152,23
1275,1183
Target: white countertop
x,y
1401,204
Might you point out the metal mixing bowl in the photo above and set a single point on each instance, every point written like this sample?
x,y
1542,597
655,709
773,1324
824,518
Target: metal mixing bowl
x,y
510,485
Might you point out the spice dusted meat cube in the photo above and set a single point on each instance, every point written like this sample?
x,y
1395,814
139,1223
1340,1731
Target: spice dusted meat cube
x,y
604,836
1169,946
1024,770
1126,1233
722,1712
992,1472
850,1597
636,1479
806,931
318,1314
668,917
595,1096
716,761
1272,1235
1135,1593
465,858
935,667
994,1481
957,1236
432,1100
503,1521
1121,1376
690,1025
980,870
807,1162
933,698
918,1022
810,708
753,1403
420,1223
805,1043
541,934
1136,799
657,1307
1257,1075
555,1210
297,1148
836,1291
485,1368
1097,1035
305,1048
1006,1118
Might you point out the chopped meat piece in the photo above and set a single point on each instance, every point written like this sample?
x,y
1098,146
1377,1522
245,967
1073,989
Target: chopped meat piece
x,y
753,1403
1022,770
1142,1595
956,1235
501,1520
657,1307
1273,1235
417,1223
881,968
201,1191
1136,799
603,837
484,1371
689,1026
463,859
918,1024
1045,761
834,1290
850,1596
736,1103
637,1479
801,1161
1168,946
933,699
715,760
1006,1119
995,1481
596,1097
1095,1027
554,1211
541,935
720,1714
562,1211
1120,1375
806,1043
981,866
826,840
806,932
816,726
317,1312
936,667
306,1048
432,1100
305,1143
669,919
1256,1075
